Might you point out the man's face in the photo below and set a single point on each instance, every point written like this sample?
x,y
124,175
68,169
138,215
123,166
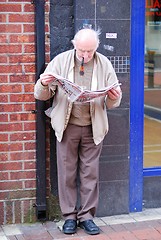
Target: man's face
x,y
85,49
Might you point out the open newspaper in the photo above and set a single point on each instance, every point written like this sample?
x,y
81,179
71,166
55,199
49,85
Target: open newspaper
x,y
76,93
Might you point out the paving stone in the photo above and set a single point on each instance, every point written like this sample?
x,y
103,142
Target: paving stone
x,y
11,238
3,238
95,237
119,228
11,229
20,237
1,232
50,225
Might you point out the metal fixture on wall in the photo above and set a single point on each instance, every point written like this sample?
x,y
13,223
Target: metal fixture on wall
x,y
40,116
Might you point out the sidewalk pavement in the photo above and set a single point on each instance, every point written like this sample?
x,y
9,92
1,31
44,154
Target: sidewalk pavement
x,y
145,225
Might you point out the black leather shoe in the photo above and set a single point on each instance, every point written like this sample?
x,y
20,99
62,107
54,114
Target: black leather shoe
x,y
89,227
70,226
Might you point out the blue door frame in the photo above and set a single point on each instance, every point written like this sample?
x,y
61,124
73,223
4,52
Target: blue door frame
x,y
137,172
136,104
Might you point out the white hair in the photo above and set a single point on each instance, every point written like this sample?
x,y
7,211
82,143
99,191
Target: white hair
x,y
82,33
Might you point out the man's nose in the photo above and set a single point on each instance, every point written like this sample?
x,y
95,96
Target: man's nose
x,y
85,54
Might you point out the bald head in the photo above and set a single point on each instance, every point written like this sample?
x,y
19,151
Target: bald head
x,y
87,34
86,42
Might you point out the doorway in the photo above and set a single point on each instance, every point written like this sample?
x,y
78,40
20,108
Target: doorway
x,y
152,106
152,86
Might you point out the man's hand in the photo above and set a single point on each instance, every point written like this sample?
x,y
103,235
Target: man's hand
x,y
46,79
114,93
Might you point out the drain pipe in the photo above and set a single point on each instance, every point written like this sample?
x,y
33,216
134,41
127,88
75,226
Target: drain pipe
x,y
40,115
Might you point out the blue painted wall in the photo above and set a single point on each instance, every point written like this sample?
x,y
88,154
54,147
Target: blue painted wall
x,y
136,104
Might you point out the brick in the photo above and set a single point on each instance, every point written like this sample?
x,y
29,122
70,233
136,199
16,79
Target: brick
x,y
11,68
24,136
46,28
8,7
30,164
1,214
21,98
22,78
3,137
30,68
22,59
14,146
30,183
6,166
8,212
10,108
13,185
17,213
29,48
21,194
3,78
29,1
43,235
29,88
22,117
3,117
8,88
21,18
3,59
30,145
3,18
12,215
22,175
22,38
3,99
3,176
29,28
3,156
3,195
29,211
18,34
47,57
11,127
23,155
12,48
29,8
11,28
47,48
29,126
6,194
47,7
29,107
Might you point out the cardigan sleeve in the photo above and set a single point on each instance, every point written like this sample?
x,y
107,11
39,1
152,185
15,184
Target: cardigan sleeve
x,y
112,78
43,92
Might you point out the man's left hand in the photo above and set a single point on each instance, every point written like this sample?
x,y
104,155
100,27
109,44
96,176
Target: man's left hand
x,y
114,93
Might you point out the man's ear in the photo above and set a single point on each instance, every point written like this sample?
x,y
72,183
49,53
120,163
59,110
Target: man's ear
x,y
73,42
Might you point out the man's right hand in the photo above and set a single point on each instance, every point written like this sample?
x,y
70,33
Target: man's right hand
x,y
46,79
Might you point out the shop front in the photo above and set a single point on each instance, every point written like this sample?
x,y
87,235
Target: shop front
x,y
145,120
130,164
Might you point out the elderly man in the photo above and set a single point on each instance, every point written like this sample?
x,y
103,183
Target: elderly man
x,y
79,127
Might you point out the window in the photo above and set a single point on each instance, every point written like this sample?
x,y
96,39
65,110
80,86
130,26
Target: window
x,y
152,85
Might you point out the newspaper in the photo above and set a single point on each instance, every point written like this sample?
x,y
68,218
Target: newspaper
x,y
76,93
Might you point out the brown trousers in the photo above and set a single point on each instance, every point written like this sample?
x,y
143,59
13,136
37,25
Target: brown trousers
x,y
77,154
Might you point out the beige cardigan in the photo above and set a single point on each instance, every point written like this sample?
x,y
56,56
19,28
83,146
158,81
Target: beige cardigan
x,y
103,75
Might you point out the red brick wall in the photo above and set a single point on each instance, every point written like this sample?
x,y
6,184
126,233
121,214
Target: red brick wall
x,y
17,123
